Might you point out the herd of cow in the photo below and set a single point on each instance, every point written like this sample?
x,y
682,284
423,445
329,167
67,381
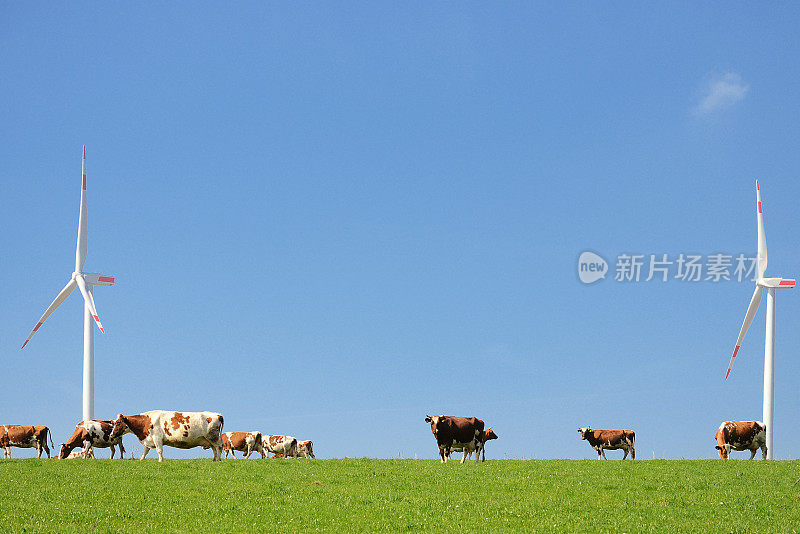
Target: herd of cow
x,y
155,429
466,434
186,430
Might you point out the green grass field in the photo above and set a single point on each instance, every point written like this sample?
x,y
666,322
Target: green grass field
x,y
399,495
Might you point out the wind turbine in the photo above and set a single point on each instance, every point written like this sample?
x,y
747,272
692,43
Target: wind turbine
x,y
84,282
769,342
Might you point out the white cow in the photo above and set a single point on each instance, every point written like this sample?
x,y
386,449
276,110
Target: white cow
x,y
305,449
183,430
285,446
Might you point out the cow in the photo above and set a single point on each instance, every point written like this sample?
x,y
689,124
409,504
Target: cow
x,y
449,430
93,433
285,446
246,442
305,449
80,453
478,445
611,440
24,437
741,436
183,430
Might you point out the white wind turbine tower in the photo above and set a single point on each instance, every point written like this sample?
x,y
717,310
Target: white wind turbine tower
x,y
84,282
769,341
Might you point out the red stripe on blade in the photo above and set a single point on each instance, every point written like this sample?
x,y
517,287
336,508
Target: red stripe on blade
x,y
84,188
757,187
787,283
759,204
106,279
35,328
23,345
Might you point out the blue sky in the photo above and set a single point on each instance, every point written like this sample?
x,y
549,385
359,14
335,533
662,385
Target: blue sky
x,y
328,222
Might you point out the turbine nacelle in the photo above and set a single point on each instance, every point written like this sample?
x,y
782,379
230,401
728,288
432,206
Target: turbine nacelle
x,y
783,283
95,279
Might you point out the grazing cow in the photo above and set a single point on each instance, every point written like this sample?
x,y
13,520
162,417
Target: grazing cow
x,y
285,446
478,445
449,430
183,430
611,440
246,442
741,436
90,434
305,449
25,437
80,453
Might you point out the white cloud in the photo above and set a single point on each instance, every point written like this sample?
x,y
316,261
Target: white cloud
x,y
721,92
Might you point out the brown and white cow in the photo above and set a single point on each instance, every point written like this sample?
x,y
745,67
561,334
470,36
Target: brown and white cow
x,y
183,430
246,442
285,446
611,440
90,434
478,445
305,449
741,436
25,437
449,430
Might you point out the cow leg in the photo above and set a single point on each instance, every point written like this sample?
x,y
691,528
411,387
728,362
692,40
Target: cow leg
x,y
121,451
753,453
249,452
232,453
145,451
764,452
39,450
261,451
217,448
633,452
160,451
624,453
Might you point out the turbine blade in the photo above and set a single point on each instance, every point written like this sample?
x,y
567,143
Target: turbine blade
x,y
80,250
55,304
87,297
748,318
762,239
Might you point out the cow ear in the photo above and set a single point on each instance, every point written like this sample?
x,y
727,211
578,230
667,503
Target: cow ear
x,y
427,418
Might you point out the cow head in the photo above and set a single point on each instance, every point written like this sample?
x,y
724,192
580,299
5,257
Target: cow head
x,y
489,434
120,426
65,450
585,431
723,448
437,422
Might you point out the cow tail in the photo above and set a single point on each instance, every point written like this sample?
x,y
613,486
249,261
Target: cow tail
x,y
50,435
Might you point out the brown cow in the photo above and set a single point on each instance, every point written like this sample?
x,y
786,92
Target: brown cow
x,y
90,434
24,437
610,440
246,442
449,430
741,436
